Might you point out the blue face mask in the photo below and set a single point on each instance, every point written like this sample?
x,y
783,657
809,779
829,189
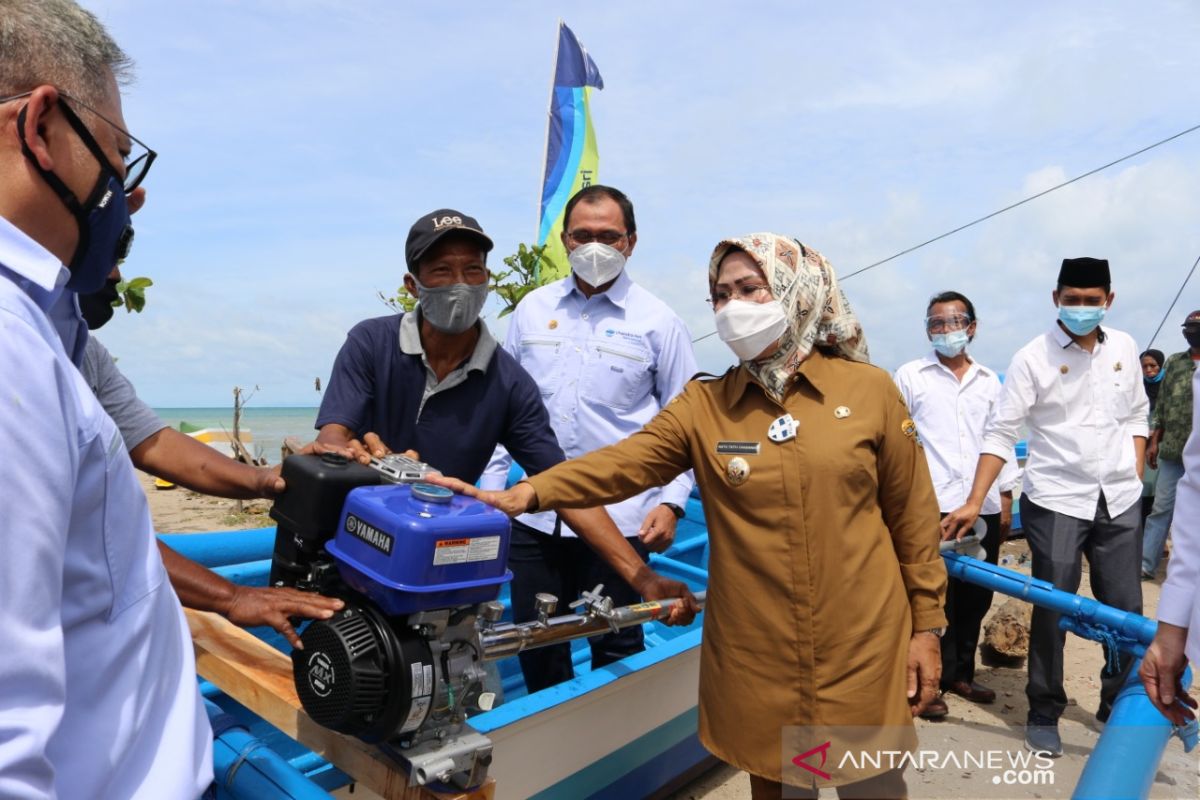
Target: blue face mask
x,y
103,220
1081,320
105,236
1157,378
950,344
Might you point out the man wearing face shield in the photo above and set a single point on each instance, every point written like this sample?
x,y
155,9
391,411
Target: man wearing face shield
x,y
825,583
950,396
434,382
607,356
99,691
1078,390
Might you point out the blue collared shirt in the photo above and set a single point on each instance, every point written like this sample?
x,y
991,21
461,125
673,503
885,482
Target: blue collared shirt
x,y
605,366
382,383
98,694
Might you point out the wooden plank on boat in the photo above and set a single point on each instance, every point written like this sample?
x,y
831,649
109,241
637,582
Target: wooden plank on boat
x,y
260,677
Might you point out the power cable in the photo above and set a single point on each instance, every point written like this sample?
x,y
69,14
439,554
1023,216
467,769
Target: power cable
x,y
1173,302
1023,202
1042,193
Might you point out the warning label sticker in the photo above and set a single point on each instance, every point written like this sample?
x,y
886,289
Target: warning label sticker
x,y
416,715
462,551
422,679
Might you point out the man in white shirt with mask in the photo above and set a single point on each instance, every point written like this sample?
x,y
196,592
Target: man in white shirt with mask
x,y
950,396
1078,389
98,693
606,355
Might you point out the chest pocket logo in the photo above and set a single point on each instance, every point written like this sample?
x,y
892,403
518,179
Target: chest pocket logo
x,y
617,376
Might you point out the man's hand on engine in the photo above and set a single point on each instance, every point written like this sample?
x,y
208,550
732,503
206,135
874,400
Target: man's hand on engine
x,y
652,586
269,480
252,606
372,446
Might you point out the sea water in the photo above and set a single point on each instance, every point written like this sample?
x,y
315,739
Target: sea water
x,y
268,426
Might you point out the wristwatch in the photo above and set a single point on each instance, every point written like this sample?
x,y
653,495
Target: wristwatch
x,y
938,632
676,510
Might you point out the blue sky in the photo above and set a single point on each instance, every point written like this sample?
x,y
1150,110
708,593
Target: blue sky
x,y
299,139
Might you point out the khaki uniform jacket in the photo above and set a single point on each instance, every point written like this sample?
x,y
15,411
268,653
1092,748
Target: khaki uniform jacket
x,y
822,561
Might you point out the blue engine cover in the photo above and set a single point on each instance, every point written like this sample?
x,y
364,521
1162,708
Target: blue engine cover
x,y
420,547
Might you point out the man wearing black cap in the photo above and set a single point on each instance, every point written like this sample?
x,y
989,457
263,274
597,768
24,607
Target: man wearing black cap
x,y
1170,426
1078,390
433,381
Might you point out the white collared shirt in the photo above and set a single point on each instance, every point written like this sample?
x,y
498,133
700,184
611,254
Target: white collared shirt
x,y
98,694
1083,411
951,416
606,365
1179,603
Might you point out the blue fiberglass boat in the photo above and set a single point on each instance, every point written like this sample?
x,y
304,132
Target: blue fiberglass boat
x,y
627,730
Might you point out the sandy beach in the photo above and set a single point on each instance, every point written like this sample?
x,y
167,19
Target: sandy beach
x,y
995,726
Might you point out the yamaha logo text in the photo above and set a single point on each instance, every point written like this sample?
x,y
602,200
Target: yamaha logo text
x,y
369,534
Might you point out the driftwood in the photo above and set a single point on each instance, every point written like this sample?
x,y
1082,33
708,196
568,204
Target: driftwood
x,y
291,445
1006,635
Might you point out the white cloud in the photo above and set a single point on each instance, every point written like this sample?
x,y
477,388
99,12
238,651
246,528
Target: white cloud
x,y
299,138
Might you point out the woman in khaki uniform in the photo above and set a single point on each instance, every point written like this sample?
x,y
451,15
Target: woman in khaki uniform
x,y
825,585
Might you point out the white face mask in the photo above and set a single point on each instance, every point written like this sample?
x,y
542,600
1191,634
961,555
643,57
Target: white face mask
x,y
596,264
749,328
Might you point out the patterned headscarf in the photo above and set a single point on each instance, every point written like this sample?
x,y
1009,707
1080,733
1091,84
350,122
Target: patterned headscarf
x,y
818,312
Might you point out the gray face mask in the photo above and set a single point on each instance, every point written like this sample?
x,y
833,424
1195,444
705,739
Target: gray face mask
x,y
452,308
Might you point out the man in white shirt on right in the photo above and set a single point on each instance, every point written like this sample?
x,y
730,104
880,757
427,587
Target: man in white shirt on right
x,y
1078,390
1178,638
951,396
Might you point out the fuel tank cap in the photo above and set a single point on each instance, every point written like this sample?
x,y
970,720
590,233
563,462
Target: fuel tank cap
x,y
429,493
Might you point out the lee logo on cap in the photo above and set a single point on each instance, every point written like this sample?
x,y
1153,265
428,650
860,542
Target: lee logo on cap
x,y
445,222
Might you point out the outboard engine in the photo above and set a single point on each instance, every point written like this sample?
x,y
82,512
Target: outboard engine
x,y
400,665
419,569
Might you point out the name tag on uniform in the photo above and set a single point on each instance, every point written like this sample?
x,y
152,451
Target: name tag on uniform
x,y
738,448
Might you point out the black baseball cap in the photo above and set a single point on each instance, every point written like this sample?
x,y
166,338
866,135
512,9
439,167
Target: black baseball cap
x,y
431,227
1192,321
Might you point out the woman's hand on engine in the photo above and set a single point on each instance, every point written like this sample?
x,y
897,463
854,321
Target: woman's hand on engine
x,y
513,502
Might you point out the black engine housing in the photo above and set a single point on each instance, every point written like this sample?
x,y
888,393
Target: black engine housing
x,y
360,675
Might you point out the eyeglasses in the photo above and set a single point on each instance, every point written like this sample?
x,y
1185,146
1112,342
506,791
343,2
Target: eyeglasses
x,y
953,322
587,237
746,291
137,161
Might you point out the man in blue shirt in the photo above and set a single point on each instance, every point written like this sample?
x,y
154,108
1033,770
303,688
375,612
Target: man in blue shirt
x,y
99,693
434,381
607,356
